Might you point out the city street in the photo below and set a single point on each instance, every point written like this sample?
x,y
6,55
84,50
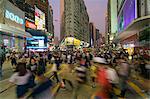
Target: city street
x,y
74,49
134,88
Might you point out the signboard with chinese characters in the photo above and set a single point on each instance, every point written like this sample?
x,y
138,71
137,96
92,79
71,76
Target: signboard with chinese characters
x,y
39,19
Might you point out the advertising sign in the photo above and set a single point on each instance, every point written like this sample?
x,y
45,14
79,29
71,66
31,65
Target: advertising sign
x,y
39,19
77,42
36,42
127,14
69,41
13,16
30,25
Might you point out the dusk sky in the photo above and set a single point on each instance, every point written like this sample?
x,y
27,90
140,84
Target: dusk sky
x,y
96,10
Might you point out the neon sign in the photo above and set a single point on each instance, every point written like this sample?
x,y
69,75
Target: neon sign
x,y
13,17
30,25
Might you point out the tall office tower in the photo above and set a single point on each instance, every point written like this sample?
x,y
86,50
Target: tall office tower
x,y
92,31
111,20
76,20
50,21
62,25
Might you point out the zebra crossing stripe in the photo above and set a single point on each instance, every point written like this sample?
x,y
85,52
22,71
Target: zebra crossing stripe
x,y
137,89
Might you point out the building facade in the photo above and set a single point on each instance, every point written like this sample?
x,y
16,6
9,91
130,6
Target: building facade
x,y
76,20
12,26
29,6
38,19
50,21
111,21
92,32
133,22
62,25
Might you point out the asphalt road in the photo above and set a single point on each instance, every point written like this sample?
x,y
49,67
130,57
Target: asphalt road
x,y
85,91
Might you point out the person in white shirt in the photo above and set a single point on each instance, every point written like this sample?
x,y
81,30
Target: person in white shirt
x,y
21,79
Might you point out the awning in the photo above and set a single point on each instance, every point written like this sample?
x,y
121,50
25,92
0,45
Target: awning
x,y
135,27
14,30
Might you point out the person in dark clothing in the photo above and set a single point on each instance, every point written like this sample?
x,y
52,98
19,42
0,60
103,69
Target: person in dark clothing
x,y
32,66
49,57
142,67
81,77
57,62
13,61
41,63
43,88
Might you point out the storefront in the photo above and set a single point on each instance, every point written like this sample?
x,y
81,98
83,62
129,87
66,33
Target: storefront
x,y
12,26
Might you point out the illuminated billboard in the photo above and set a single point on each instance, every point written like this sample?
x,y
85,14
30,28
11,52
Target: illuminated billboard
x,y
36,42
30,25
39,19
72,41
127,14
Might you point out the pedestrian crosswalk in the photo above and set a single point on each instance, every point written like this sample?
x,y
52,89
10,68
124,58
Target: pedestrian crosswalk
x,y
117,91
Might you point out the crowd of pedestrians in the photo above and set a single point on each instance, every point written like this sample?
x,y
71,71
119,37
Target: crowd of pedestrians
x,y
103,70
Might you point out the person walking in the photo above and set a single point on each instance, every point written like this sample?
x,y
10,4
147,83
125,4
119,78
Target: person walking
x,y
43,89
13,60
21,78
81,77
123,73
102,78
41,62
49,56
1,61
65,73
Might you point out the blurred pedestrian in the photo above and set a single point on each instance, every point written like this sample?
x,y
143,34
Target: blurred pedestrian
x,y
123,72
65,73
43,89
13,60
102,78
54,70
21,78
49,56
1,61
81,77
93,71
41,62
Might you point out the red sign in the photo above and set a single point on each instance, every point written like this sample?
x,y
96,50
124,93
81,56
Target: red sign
x,y
30,25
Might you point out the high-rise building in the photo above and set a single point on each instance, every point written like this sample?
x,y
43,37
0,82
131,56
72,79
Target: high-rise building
x,y
134,22
111,20
91,31
50,20
76,20
62,25
106,27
